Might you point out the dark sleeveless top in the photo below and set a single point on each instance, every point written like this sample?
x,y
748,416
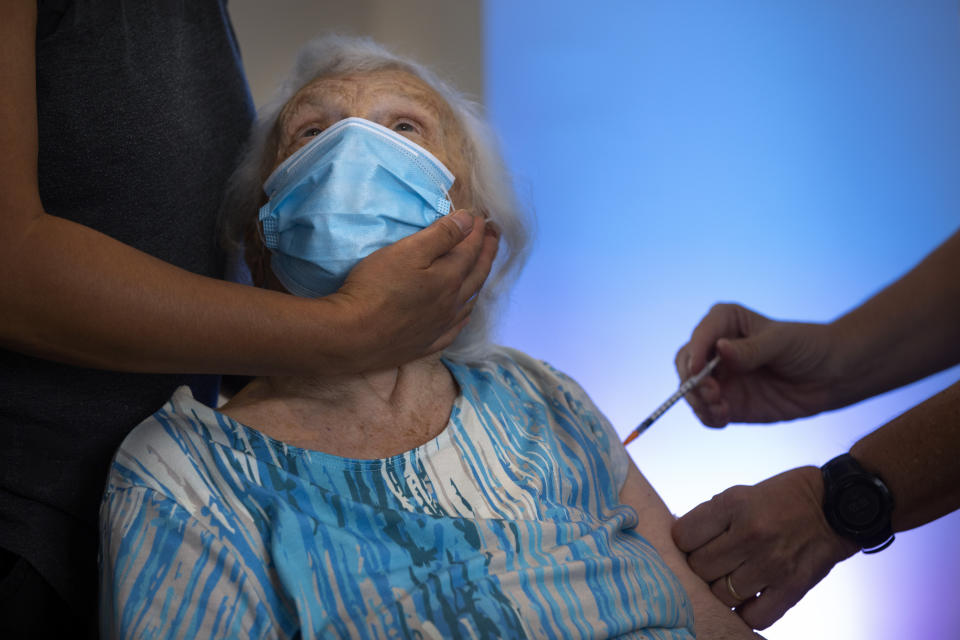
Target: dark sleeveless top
x,y
143,109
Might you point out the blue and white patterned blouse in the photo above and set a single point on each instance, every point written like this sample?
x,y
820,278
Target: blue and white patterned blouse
x,y
505,525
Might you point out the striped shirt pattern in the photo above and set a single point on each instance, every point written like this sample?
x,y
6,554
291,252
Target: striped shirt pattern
x,y
505,525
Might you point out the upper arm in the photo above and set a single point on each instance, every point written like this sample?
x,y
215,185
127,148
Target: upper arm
x,y
164,573
712,618
19,193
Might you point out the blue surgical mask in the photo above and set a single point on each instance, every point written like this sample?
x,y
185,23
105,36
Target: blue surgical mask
x,y
355,188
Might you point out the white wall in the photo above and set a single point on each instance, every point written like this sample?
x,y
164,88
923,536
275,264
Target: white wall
x,y
445,35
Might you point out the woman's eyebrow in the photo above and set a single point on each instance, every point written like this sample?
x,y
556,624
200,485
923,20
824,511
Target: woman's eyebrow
x,y
398,105
312,103
421,98
420,107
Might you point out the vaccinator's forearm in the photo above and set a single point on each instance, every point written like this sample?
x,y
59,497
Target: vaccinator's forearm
x,y
916,455
908,330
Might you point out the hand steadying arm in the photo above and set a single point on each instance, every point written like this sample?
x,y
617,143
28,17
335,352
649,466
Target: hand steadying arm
x,y
712,619
71,294
773,537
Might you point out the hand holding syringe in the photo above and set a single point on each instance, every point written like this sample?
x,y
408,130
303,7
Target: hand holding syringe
x,y
687,385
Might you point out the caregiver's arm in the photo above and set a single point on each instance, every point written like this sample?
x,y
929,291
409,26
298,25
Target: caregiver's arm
x,y
713,619
71,294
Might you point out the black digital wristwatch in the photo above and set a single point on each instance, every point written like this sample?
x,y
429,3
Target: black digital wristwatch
x,y
857,504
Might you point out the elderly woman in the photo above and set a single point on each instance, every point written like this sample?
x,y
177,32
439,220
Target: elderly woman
x,y
478,494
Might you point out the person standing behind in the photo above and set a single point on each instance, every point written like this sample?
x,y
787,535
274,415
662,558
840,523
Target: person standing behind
x,y
119,124
763,547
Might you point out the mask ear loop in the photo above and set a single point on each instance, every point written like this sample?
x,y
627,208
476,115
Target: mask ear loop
x,y
259,225
258,261
453,207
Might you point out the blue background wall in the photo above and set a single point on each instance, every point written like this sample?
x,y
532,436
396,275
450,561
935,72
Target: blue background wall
x,y
792,156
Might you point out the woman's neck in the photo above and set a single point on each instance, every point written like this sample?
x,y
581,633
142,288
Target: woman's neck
x,y
369,415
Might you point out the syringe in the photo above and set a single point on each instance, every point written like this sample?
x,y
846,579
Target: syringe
x,y
687,385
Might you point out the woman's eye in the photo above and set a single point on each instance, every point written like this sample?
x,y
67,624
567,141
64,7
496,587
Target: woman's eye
x,y
404,127
311,132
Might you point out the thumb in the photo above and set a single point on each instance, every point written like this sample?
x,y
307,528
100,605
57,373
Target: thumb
x,y
443,235
748,354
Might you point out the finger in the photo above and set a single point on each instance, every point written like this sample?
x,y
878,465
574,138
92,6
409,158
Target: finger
x,y
465,311
701,524
750,353
711,414
735,588
459,323
447,338
693,397
709,390
680,362
705,533
439,238
714,416
714,411
706,398
721,321
695,400
713,561
481,269
717,415
685,357
773,602
698,405
461,259
726,590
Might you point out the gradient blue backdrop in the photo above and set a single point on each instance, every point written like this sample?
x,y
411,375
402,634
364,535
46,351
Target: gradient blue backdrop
x,y
792,156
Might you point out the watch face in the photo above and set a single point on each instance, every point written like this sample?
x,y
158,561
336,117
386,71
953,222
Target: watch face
x,y
859,505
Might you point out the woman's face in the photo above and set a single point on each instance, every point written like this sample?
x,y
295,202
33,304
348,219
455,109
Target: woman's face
x,y
392,98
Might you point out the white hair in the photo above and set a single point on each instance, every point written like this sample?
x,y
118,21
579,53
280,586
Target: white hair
x,y
490,185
